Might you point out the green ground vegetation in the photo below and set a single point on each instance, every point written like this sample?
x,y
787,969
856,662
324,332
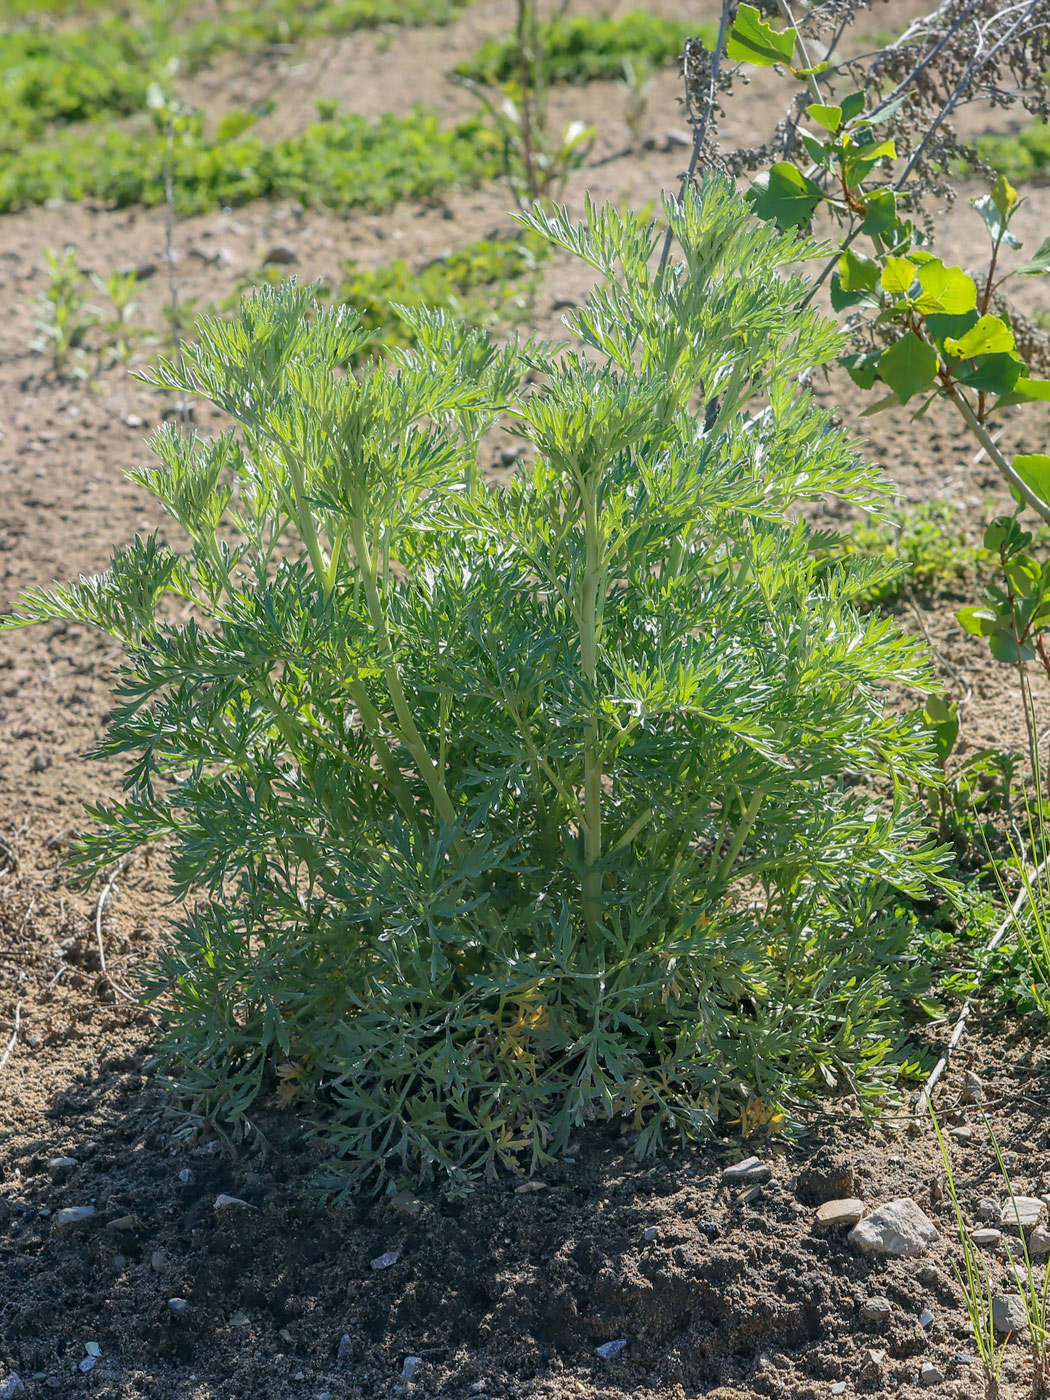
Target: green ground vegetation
x,y
345,163
581,48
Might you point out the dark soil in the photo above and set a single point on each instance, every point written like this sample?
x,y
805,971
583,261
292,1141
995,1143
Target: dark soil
x,y
509,1291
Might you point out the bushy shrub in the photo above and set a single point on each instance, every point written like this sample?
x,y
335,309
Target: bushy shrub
x,y
499,810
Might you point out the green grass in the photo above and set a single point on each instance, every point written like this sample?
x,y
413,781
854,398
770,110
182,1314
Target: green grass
x,y
347,163
582,48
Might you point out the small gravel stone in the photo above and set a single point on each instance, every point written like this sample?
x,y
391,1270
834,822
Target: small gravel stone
x,y
405,1205
871,1367
72,1215
411,1366
987,1209
12,1386
88,1364
179,1306
608,1350
839,1388
59,1167
1023,1210
185,1176
925,1318
281,254
384,1261
846,1212
986,1238
899,1228
751,1171
345,1350
224,1203
1039,1242
929,1374
973,1089
675,136
1008,1313
876,1309
159,1262
651,1234
963,1133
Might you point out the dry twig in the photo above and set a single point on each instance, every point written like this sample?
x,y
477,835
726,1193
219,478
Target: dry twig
x,y
14,1038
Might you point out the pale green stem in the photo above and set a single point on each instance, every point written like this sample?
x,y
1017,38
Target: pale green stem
x,y
1005,468
592,762
409,734
739,837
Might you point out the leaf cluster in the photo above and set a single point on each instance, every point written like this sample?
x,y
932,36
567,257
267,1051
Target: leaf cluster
x,y
496,810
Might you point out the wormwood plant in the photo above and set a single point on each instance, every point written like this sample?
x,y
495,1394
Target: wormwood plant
x,y
499,810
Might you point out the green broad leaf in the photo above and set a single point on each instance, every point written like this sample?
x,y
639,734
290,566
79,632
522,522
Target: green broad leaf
x,y
830,118
995,220
815,71
852,105
978,621
1027,391
946,289
1036,266
1022,575
891,109
862,368
784,195
908,366
1003,646
1034,470
897,276
940,327
890,401
990,374
818,152
880,213
752,40
1004,196
858,273
990,335
943,719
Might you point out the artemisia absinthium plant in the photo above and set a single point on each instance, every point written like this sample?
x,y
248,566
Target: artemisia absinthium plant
x,y
498,810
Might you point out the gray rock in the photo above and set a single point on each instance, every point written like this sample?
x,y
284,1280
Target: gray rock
x,y
1039,1242
987,1209
1008,1313
973,1089
871,1367
58,1167
929,1374
608,1350
846,1212
651,1234
186,1176
876,1309
159,1262
963,1133
227,1203
88,1364
411,1366
675,136
72,1215
12,1386
281,254
179,1306
986,1239
345,1350
751,1171
1022,1210
384,1261
925,1318
899,1228
405,1205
